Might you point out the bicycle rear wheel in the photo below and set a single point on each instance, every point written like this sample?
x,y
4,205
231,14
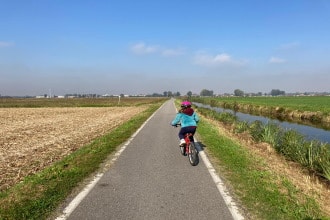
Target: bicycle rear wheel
x,y
193,154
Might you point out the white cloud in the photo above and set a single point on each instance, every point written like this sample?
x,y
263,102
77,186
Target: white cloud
x,y
276,60
142,48
222,58
6,44
216,60
209,60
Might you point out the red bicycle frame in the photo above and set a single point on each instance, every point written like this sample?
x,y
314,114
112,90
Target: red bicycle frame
x,y
187,139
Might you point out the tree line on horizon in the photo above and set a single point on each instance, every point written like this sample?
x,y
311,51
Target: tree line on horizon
x,y
241,93
203,93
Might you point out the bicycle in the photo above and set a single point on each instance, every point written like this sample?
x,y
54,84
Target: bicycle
x,y
189,149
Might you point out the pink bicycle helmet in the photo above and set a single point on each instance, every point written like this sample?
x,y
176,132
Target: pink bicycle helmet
x,y
185,104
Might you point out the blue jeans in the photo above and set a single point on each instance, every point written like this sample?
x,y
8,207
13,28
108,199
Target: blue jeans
x,y
185,130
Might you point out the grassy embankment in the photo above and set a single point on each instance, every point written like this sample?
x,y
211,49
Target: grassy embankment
x,y
266,194
40,194
313,155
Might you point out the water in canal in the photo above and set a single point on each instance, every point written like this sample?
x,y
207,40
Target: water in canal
x,y
310,133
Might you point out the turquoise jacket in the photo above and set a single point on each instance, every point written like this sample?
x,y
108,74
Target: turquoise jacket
x,y
187,118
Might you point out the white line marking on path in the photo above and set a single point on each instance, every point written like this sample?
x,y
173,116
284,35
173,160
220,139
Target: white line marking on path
x,y
221,186
76,201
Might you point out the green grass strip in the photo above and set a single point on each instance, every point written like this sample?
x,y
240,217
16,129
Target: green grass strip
x,y
40,194
264,194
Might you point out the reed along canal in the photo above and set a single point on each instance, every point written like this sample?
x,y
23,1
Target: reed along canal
x,y
309,132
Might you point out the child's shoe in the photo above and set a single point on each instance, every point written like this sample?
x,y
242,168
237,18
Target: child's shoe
x,y
182,142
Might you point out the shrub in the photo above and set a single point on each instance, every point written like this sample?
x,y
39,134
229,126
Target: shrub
x,y
290,144
227,118
270,133
255,129
241,126
323,161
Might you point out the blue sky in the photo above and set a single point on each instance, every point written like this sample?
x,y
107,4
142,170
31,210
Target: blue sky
x,y
145,46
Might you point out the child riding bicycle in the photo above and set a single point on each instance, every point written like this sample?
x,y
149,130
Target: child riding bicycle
x,y
188,119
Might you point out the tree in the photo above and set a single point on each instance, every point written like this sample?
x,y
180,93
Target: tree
x,y
238,92
168,94
189,94
156,95
206,92
276,92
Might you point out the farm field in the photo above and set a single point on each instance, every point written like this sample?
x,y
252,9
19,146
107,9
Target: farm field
x,y
76,102
33,138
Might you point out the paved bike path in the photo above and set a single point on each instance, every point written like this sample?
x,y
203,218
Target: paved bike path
x,y
152,180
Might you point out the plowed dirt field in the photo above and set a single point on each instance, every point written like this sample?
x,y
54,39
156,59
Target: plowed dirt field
x,y
33,138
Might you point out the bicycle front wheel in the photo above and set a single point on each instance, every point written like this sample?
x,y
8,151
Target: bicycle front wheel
x,y
193,154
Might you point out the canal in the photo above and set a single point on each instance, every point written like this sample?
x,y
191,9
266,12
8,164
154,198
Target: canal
x,y
309,132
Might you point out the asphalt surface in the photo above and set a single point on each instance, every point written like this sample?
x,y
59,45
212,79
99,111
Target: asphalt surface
x,y
152,180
